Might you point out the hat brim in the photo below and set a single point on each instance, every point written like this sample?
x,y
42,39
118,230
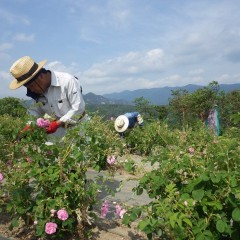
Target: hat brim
x,y
125,126
17,84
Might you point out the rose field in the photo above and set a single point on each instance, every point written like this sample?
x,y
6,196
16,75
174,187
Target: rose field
x,y
66,188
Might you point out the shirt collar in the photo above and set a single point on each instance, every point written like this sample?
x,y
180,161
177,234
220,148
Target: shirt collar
x,y
54,79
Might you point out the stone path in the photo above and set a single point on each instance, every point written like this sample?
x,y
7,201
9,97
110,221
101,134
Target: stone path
x,y
125,197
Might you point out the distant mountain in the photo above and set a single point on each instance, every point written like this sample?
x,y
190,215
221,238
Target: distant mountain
x,y
91,98
160,96
156,96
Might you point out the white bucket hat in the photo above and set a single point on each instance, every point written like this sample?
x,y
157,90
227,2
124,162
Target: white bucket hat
x,y
121,123
23,70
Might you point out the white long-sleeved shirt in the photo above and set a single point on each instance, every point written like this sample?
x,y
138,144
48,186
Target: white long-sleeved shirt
x,y
63,99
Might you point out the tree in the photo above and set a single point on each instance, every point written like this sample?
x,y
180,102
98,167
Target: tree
x,y
229,105
12,106
186,108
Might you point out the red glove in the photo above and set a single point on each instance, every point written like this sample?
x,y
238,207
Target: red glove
x,y
53,126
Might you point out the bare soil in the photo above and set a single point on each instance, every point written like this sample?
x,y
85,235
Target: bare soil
x,y
104,230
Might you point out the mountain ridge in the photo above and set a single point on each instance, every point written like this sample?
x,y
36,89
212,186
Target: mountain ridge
x,y
160,96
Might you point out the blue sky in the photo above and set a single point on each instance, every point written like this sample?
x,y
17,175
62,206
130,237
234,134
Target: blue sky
x,y
117,45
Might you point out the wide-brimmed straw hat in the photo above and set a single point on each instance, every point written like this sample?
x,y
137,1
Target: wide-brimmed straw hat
x,y
23,70
121,123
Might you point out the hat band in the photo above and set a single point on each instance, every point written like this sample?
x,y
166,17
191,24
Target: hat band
x,y
29,73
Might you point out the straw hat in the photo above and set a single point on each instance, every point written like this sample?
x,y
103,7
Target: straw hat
x,y
121,123
23,70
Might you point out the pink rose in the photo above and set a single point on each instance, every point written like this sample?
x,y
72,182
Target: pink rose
x,y
1,177
120,211
191,150
104,209
29,160
62,214
42,123
52,211
50,228
111,160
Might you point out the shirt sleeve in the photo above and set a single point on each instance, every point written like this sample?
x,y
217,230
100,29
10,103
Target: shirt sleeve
x,y
75,98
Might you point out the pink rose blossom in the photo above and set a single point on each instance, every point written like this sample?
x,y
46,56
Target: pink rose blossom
x,y
62,214
42,123
104,209
1,177
50,227
52,211
191,150
111,160
29,160
120,211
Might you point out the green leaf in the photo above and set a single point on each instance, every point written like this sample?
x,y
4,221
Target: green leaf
x,y
15,222
159,232
142,225
198,194
220,225
173,219
215,178
236,214
126,220
233,182
187,221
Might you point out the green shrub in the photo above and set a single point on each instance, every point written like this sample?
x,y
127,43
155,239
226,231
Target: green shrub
x,y
195,190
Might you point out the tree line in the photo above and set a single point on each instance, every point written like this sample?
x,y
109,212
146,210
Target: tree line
x,y
184,108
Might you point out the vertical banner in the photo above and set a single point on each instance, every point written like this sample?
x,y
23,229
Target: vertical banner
x,y
213,121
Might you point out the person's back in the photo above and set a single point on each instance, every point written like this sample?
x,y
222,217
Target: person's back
x,y
127,121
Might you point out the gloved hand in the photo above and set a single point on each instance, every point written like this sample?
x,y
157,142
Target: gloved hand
x,y
53,126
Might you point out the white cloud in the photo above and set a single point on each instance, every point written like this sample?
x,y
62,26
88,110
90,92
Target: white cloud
x,y
197,71
133,63
22,37
12,18
5,46
126,45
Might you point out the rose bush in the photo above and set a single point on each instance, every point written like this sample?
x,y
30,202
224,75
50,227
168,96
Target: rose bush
x,y
195,191
45,183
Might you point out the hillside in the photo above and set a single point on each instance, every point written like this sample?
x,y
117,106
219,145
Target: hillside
x,y
160,96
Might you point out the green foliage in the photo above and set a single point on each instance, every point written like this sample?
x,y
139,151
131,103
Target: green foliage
x,y
186,108
12,106
148,138
195,190
9,127
229,106
41,176
100,140
106,111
